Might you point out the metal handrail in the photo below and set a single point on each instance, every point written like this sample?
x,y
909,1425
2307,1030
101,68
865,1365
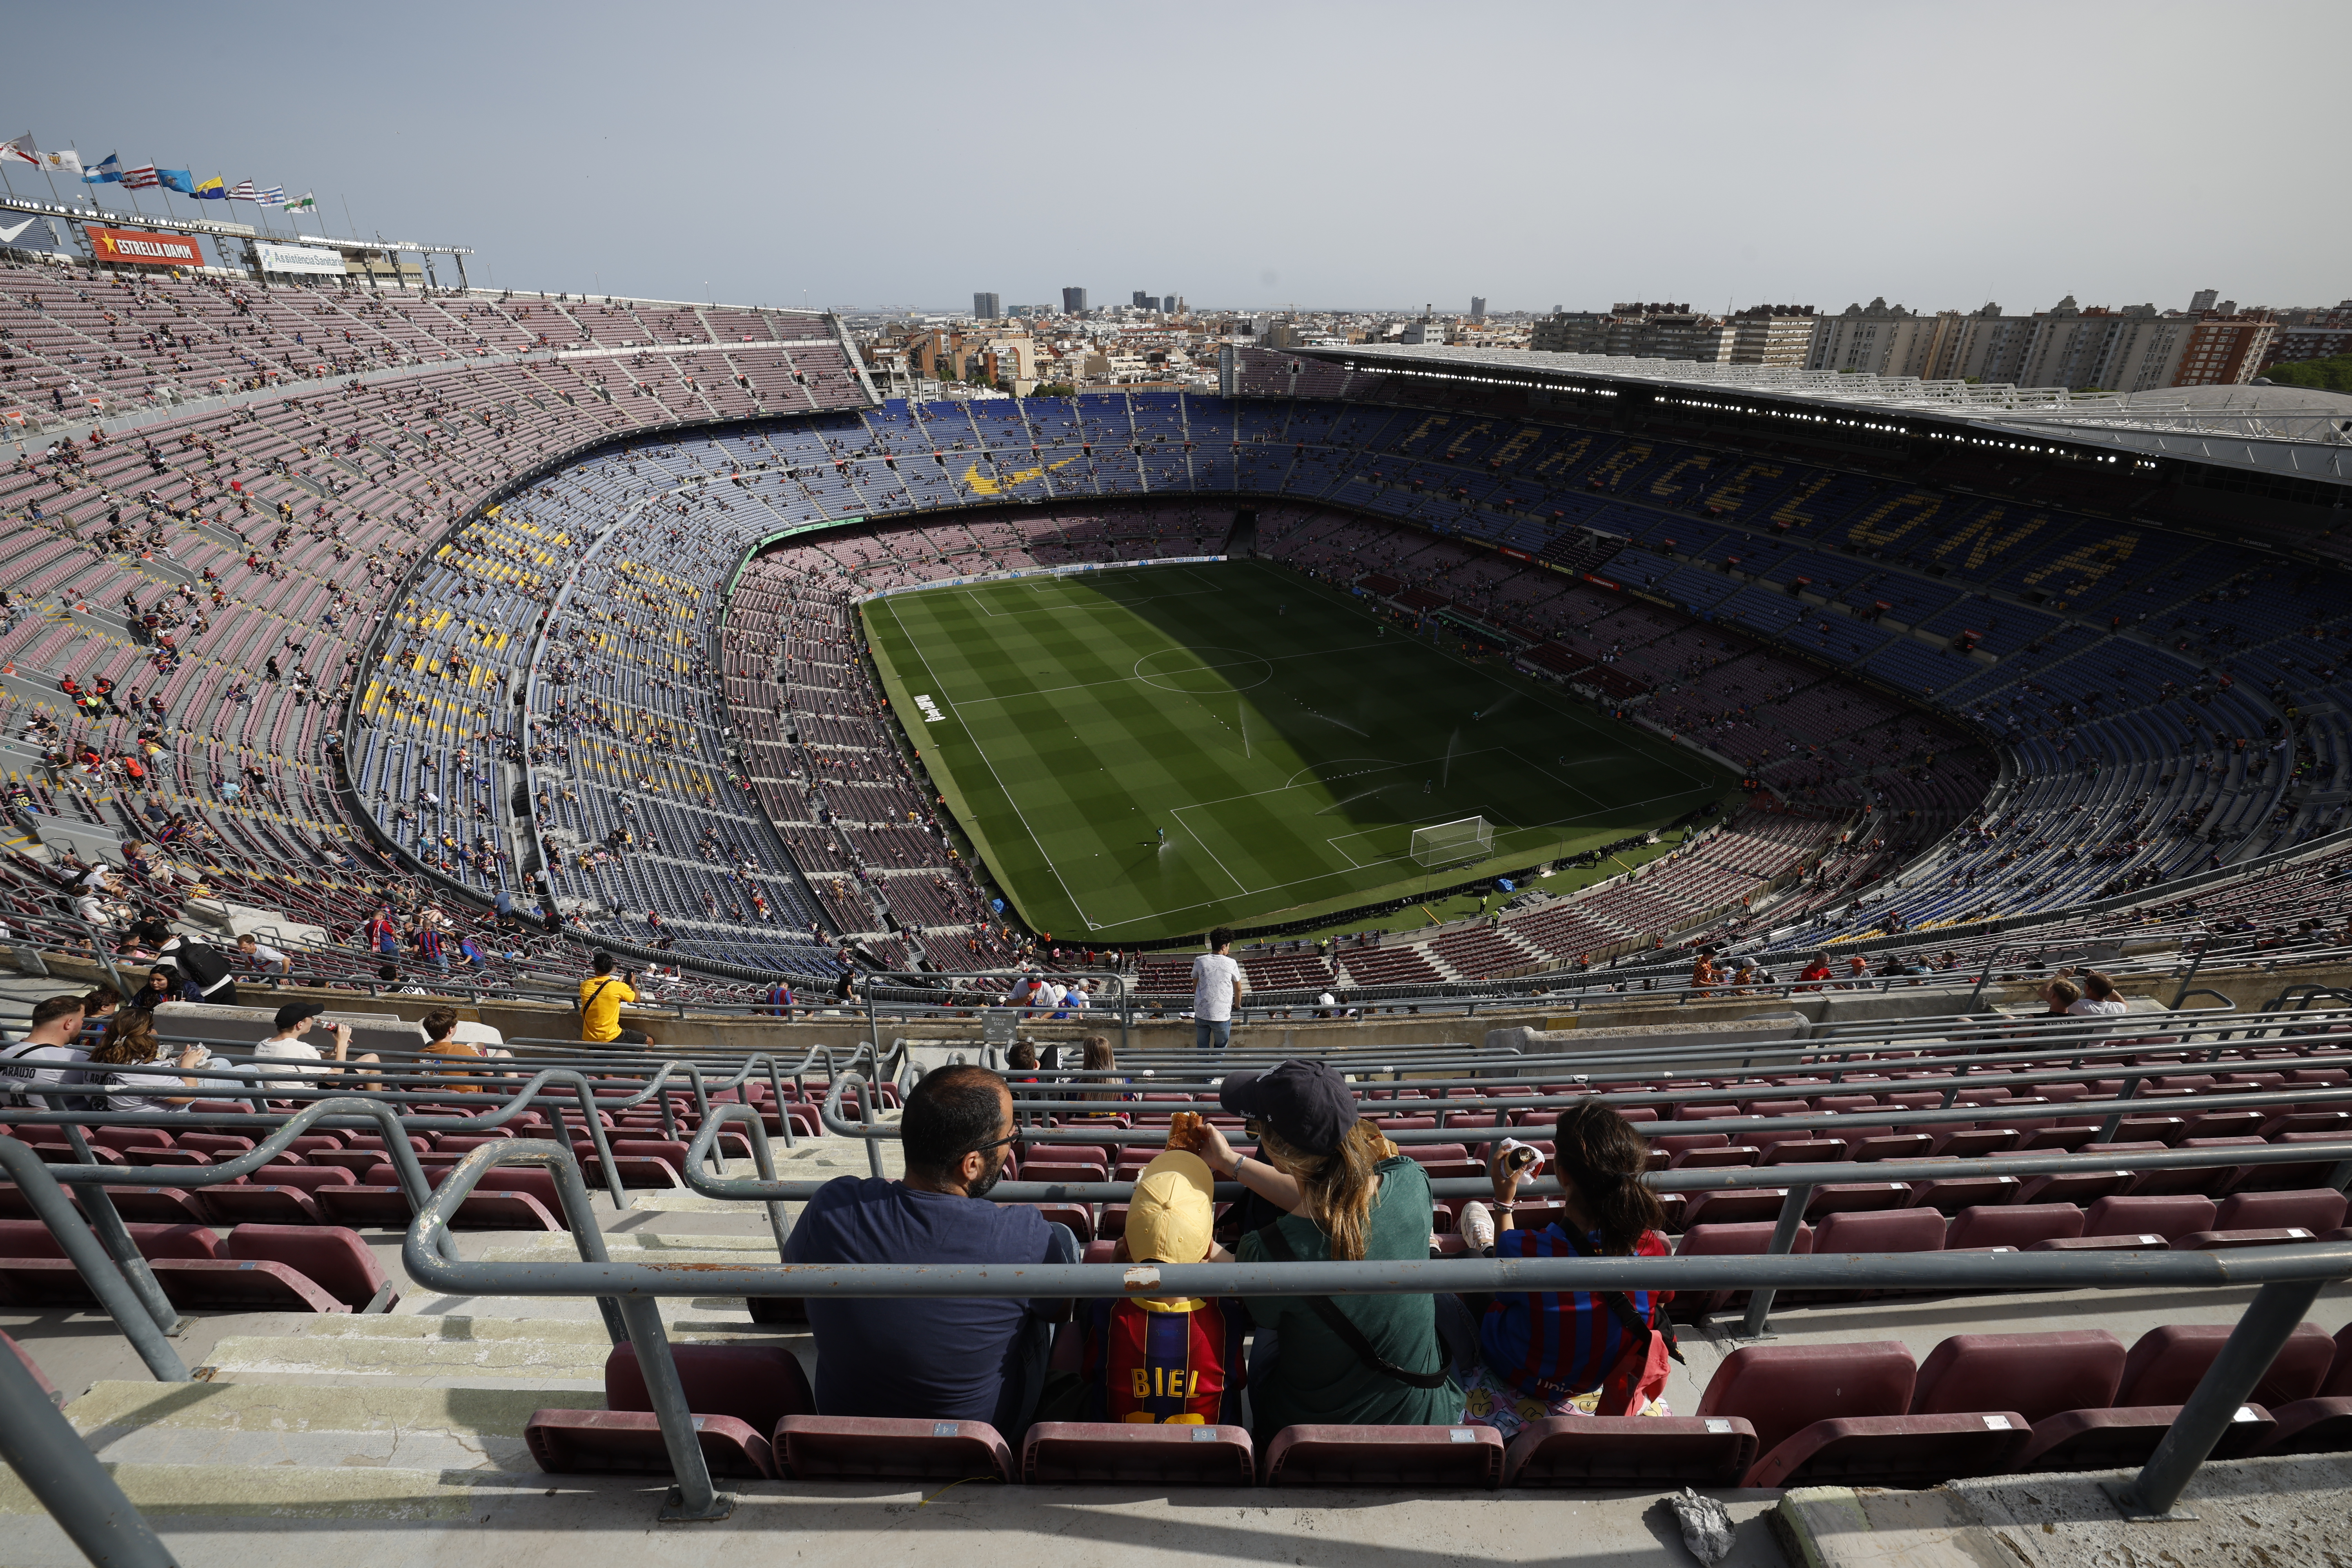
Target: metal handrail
x,y
57,1468
2290,1278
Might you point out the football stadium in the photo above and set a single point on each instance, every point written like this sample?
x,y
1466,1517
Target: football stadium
x,y
613,922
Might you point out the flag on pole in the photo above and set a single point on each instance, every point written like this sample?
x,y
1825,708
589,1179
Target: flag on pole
x,y
305,203
243,192
275,196
106,171
20,150
66,162
145,177
178,179
213,190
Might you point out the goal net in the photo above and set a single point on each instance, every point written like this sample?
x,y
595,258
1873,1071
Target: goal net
x,y
1454,843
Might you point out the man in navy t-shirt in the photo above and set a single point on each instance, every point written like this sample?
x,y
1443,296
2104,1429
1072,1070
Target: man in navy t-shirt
x,y
958,1359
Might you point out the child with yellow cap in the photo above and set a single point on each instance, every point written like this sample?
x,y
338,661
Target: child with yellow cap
x,y
1173,1360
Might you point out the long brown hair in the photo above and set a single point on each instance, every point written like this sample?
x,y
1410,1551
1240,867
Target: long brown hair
x,y
129,1040
1601,1158
1098,1057
1338,1186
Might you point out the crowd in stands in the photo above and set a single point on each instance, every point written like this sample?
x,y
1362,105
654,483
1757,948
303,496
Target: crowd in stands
x,y
197,591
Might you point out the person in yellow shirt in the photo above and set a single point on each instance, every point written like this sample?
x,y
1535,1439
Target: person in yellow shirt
x,y
601,995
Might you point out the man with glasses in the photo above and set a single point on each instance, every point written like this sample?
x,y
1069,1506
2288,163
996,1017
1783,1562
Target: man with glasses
x,y
939,1358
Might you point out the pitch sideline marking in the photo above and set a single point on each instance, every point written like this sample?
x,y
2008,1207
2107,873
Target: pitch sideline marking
x,y
1018,814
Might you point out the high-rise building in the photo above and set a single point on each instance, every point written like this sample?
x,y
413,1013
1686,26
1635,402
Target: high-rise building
x,y
1174,304
1074,301
2134,348
2203,299
987,307
1141,300
1773,334
1478,307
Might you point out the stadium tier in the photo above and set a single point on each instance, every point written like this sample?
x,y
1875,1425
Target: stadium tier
x,y
439,638
499,541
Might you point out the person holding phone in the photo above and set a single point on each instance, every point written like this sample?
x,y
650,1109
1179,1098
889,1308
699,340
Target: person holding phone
x,y
601,995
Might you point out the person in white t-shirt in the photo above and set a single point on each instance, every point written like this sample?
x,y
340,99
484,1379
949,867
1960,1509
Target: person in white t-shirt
x,y
2099,996
253,952
49,1057
294,1020
1216,991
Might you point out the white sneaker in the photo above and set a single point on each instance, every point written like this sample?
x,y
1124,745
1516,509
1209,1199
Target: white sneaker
x,y
1476,1225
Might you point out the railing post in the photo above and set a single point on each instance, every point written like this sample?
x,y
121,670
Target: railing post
x,y
2261,1332
867,1095
91,1262
693,1500
1784,1239
108,1222
57,1468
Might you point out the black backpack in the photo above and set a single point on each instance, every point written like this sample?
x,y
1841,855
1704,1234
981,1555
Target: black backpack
x,y
200,964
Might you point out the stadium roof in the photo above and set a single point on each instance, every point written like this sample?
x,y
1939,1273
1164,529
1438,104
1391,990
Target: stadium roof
x,y
2288,431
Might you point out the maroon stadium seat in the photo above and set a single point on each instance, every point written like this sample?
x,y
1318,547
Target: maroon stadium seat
x,y
2013,1225
1131,1452
868,1448
737,1393
332,1258
1385,1455
2164,1217
1887,1230
1633,1451
592,1442
2315,1209
2167,1363
2038,1375
2124,1436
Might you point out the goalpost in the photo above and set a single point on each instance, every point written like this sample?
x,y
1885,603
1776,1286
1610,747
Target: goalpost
x,y
1453,843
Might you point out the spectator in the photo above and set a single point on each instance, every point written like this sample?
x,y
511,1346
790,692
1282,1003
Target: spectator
x,y
2062,995
2099,996
49,1057
1818,970
1216,991
601,995
440,1027
1345,1194
98,1010
251,952
294,1020
1525,1356
130,1045
958,1359
1163,1360
164,984
206,970
1099,1058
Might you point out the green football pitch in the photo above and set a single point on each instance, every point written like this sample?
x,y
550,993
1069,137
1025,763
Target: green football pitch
x,y
1285,739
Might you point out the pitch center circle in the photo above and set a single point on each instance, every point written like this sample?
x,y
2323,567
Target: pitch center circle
x,y
1200,670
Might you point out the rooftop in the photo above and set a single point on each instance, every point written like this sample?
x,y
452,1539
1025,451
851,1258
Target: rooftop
x,y
2284,430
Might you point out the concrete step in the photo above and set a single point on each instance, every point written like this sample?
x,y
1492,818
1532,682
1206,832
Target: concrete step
x,y
423,1429
529,1348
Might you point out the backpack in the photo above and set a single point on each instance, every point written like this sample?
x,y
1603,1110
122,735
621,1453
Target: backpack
x,y
200,964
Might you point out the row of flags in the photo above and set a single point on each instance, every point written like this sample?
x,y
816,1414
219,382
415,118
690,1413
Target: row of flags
x,y
109,170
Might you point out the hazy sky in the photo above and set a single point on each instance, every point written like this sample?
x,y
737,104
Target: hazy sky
x,y
1261,153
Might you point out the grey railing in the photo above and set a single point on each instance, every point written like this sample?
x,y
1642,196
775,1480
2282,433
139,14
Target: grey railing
x,y
2289,1279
